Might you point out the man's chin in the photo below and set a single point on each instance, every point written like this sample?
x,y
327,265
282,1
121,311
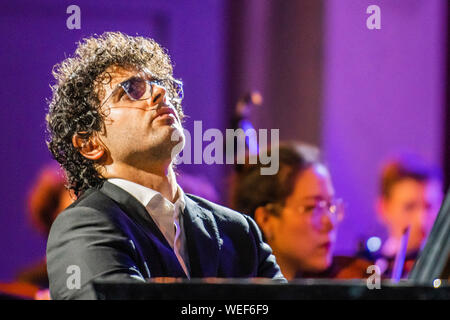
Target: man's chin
x,y
171,138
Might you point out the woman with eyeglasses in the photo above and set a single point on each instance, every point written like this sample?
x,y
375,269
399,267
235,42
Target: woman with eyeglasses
x,y
298,213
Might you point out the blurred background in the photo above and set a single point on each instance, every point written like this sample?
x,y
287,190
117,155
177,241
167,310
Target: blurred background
x,y
360,95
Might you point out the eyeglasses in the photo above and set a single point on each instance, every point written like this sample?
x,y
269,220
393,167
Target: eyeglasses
x,y
138,89
335,210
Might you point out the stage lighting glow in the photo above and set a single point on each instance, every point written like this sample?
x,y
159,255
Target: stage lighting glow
x,y
373,244
437,283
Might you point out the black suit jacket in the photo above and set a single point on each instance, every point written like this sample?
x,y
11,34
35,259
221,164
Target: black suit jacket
x,y
108,234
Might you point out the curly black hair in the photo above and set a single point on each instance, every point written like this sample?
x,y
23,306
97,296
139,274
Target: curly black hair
x,y
75,104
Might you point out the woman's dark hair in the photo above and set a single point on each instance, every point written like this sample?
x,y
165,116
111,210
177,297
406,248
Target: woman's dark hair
x,y
75,104
406,166
251,190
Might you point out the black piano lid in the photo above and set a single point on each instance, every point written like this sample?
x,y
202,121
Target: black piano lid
x,y
433,260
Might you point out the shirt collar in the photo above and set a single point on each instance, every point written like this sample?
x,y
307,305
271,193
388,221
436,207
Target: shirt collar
x,y
144,195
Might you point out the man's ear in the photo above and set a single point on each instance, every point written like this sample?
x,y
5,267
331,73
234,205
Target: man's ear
x,y
264,220
90,147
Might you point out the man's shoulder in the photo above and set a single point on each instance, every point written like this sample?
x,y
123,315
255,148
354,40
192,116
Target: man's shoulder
x,y
92,198
93,207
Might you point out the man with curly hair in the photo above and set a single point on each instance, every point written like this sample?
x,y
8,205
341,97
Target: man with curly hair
x,y
111,121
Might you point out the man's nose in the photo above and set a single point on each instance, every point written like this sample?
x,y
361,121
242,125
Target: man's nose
x,y
423,216
158,95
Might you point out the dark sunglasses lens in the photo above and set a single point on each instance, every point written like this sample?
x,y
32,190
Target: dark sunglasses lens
x,y
136,88
178,87
180,91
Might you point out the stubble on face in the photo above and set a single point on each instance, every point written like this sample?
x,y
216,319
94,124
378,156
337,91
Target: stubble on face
x,y
132,133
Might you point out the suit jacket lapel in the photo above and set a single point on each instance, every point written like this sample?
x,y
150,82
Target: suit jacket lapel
x,y
137,212
203,240
133,208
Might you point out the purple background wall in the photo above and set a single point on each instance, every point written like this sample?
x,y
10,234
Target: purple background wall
x,y
325,78
384,92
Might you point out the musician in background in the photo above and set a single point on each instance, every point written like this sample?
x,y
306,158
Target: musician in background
x,y
410,195
48,196
298,213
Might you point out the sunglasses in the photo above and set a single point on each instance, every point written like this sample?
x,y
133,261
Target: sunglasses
x,y
138,88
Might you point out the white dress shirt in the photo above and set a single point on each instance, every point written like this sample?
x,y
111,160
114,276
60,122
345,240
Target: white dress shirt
x,y
164,213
